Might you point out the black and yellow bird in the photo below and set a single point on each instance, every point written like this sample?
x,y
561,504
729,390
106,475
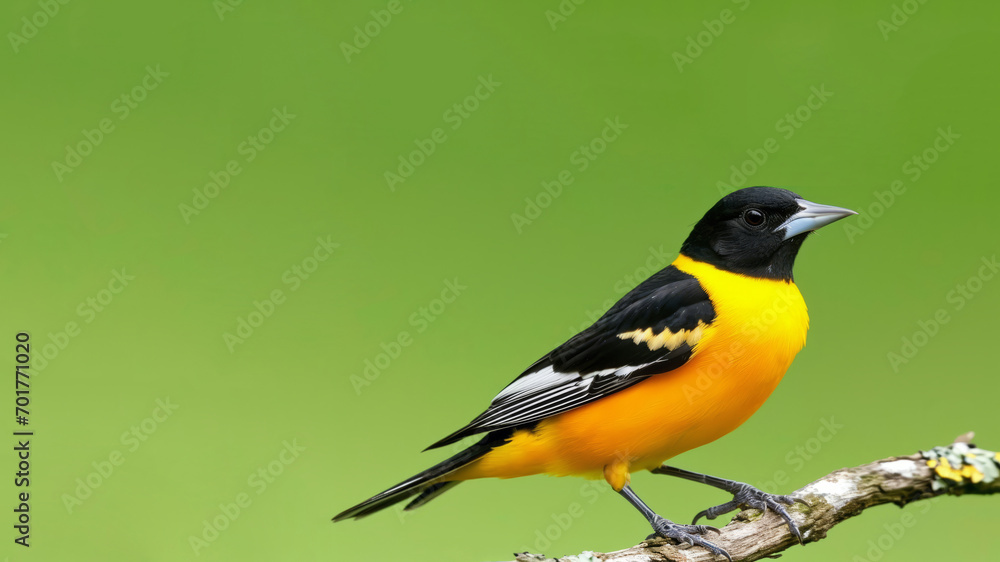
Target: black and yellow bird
x,y
681,360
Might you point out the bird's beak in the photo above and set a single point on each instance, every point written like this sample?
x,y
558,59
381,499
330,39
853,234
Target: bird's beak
x,y
812,216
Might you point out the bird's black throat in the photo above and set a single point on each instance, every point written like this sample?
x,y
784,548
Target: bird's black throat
x,y
746,256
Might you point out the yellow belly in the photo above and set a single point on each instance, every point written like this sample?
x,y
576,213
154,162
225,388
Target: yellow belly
x,y
760,325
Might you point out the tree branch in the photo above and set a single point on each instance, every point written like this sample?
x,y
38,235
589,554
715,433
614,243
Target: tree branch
x,y
957,469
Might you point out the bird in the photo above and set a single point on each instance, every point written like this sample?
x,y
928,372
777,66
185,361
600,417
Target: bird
x,y
682,359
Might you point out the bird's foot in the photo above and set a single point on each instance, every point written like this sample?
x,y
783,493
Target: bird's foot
x,y
690,534
746,496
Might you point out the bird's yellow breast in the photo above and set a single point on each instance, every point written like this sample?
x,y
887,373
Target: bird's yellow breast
x,y
739,359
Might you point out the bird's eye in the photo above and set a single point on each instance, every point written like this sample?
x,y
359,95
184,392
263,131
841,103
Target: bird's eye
x,y
754,217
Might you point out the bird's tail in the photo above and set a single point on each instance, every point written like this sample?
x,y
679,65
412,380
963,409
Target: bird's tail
x,y
426,486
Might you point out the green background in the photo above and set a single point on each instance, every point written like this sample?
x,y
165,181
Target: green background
x,y
323,176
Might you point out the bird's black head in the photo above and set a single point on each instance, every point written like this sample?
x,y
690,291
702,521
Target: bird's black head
x,y
757,231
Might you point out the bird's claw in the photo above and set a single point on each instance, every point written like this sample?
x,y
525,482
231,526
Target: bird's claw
x,y
748,497
713,512
689,534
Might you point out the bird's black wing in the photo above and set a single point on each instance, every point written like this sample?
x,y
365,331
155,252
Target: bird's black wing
x,y
651,330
